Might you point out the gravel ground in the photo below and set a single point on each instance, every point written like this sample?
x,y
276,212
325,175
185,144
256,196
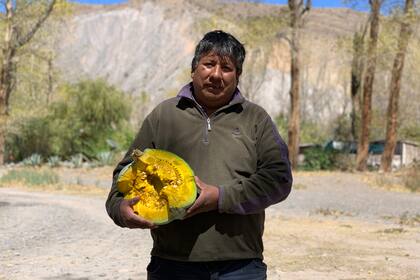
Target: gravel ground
x,y
348,194
51,236
332,226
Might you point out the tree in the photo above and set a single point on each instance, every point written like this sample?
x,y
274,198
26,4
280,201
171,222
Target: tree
x,y
395,86
86,118
357,68
297,11
16,36
369,77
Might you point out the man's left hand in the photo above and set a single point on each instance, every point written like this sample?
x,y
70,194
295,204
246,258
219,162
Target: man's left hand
x,y
207,200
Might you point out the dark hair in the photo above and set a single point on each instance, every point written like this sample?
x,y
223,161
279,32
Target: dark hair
x,y
224,45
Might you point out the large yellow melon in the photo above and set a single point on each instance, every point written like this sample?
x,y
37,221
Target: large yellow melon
x,y
163,181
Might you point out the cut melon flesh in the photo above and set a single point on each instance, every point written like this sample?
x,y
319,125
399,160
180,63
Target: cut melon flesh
x,y
164,183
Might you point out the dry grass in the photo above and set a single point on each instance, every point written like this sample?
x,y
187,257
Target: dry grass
x,y
332,212
404,180
390,182
72,189
405,219
67,180
411,177
325,248
302,173
299,186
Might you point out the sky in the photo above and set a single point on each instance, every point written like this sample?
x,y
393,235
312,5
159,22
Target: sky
x,y
315,3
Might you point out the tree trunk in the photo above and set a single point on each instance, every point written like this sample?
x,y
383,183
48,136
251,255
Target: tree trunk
x,y
6,75
363,145
397,70
294,119
357,68
50,79
5,89
297,10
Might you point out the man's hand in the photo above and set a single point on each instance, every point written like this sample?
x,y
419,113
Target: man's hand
x,y
207,201
130,219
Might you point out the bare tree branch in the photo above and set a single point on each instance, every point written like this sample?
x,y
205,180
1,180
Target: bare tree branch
x,y
26,38
282,35
307,8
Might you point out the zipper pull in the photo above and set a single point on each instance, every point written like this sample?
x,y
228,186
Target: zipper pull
x,y
208,124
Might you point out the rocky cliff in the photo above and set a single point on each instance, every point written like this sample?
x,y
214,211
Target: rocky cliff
x,y
147,46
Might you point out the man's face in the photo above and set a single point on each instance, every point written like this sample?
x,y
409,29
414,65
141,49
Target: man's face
x,y
214,79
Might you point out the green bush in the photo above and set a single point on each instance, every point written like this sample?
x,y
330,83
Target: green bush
x,y
88,114
342,127
281,122
410,131
313,132
310,131
344,161
84,119
318,159
30,136
30,177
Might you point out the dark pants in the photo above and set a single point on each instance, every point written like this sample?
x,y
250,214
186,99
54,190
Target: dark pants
x,y
248,269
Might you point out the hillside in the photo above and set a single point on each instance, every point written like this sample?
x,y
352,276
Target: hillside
x,y
146,46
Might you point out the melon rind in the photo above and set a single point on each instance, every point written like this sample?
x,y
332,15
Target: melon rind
x,y
178,198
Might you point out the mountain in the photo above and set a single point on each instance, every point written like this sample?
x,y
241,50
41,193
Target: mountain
x,y
147,46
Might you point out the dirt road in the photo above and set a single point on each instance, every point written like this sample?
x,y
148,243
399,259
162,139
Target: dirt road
x,y
333,226
50,236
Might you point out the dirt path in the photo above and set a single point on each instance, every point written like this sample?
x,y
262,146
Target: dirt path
x,y
333,226
312,248
50,236
336,226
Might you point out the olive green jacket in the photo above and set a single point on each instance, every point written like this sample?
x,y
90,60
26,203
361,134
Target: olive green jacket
x,y
238,149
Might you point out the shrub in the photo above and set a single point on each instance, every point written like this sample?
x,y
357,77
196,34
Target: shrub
x,y
342,127
281,122
310,132
53,161
33,160
105,158
77,160
318,159
344,161
30,136
88,114
313,132
84,119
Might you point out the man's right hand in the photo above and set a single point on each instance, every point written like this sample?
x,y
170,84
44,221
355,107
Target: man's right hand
x,y
130,219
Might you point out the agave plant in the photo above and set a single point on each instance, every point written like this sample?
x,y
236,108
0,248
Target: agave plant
x,y
77,160
53,161
33,160
104,158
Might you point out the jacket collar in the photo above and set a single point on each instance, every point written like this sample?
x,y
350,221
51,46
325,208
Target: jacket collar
x,y
187,92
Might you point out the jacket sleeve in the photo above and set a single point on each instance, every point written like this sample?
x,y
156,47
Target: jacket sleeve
x,y
270,184
143,140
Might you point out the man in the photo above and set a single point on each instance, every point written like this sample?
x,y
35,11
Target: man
x,y
234,147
